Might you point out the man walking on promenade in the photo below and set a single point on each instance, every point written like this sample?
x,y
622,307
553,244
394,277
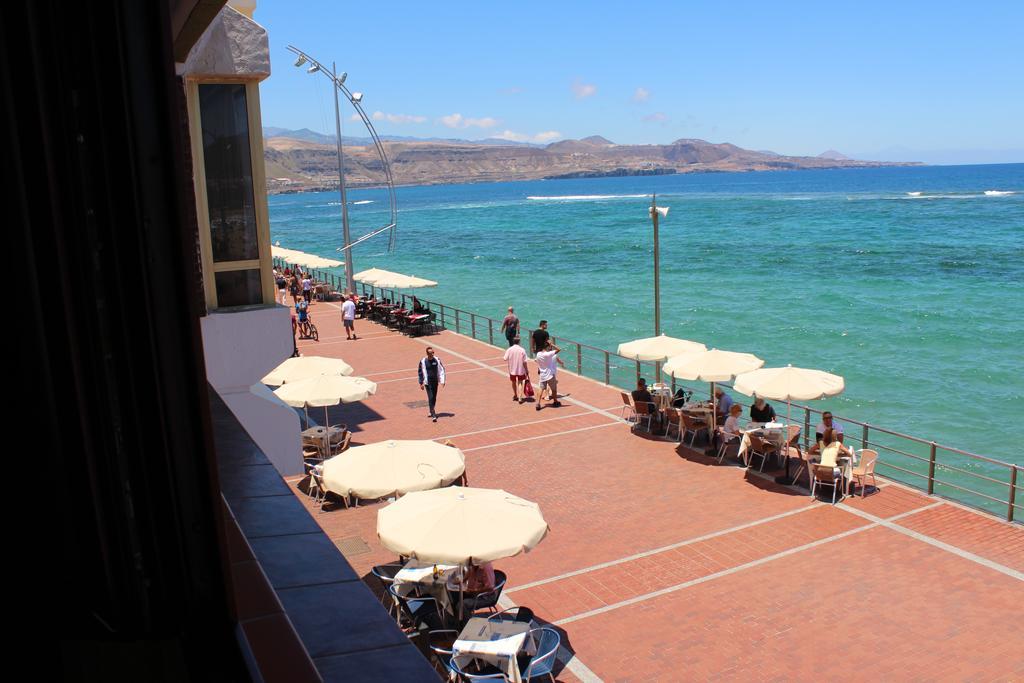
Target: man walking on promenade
x,y
548,362
431,376
539,340
348,316
515,356
510,326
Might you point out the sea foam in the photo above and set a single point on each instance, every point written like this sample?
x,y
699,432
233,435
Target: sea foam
x,y
589,196
998,193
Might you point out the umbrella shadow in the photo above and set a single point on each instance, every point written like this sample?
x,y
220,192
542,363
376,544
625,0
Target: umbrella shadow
x,y
565,648
697,456
354,415
767,483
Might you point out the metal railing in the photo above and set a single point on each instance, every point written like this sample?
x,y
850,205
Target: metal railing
x,y
974,480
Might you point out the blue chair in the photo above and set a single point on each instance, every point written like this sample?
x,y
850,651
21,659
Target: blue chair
x,y
543,663
488,600
418,611
488,673
385,573
520,614
440,643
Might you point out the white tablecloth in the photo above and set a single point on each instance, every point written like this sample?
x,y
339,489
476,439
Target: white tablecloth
x,y
495,648
416,575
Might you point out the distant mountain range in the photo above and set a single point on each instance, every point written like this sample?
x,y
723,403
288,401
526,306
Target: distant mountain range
x,y
305,160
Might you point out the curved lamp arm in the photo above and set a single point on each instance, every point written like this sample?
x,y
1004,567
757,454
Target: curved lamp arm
x,y
339,83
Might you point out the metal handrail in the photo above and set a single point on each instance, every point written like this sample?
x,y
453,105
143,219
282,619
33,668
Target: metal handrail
x,y
605,365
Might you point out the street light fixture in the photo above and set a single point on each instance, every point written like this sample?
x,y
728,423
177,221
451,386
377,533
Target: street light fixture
x,y
338,83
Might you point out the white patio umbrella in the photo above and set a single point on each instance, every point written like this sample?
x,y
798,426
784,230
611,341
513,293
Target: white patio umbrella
x,y
658,348
463,526
303,367
386,279
390,468
789,384
712,366
301,258
325,391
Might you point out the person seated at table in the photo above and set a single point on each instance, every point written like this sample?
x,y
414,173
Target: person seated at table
x,y
724,401
761,411
642,395
731,429
417,307
479,579
826,424
830,448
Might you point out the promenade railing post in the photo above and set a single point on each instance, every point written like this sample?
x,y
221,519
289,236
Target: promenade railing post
x,y
442,315
607,368
931,470
638,372
1013,494
579,359
673,383
864,437
472,323
807,427
458,327
490,330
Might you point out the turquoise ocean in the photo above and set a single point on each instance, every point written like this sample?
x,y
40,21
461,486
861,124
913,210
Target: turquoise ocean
x,y
908,282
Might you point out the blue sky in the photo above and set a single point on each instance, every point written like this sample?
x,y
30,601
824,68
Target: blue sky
x,y
792,77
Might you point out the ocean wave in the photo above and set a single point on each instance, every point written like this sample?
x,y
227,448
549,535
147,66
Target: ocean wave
x,y
914,194
998,193
586,197
362,201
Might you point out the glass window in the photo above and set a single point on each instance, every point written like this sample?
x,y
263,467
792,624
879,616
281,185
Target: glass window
x,y
238,287
228,162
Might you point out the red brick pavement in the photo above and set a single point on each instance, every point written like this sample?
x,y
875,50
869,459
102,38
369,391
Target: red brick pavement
x,y
980,534
873,602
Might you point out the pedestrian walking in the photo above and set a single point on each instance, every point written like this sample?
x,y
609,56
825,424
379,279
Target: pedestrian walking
x,y
515,356
540,337
348,316
510,326
307,288
431,376
547,363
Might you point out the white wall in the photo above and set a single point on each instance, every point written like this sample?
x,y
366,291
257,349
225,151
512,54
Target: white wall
x,y
241,346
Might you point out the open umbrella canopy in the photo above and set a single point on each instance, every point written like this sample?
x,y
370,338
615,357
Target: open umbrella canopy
x,y
789,384
457,525
325,390
711,366
391,468
301,258
389,280
304,367
658,348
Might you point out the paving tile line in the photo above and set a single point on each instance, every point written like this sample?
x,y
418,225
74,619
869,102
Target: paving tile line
x,y
959,552
568,658
726,572
664,548
570,399
391,372
510,426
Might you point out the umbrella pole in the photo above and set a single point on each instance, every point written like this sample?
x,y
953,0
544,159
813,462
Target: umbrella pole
x,y
786,479
462,589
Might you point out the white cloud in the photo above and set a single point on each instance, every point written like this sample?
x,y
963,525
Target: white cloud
x,y
459,121
583,90
547,136
641,95
657,117
398,118
354,117
540,138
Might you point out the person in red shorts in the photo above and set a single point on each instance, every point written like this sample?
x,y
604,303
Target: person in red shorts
x,y
515,356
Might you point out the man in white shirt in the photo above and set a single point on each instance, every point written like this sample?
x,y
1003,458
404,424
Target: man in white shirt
x,y
348,316
515,356
828,423
547,364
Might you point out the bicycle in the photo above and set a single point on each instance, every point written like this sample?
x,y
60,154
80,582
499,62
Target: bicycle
x,y
307,330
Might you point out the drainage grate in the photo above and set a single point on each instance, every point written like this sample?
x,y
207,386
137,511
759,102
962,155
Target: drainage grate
x,y
352,546
416,404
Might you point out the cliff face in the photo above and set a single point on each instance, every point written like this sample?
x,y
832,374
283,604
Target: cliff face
x,y
295,165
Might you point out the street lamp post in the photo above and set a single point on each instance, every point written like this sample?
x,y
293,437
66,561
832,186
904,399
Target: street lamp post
x,y
656,212
355,99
